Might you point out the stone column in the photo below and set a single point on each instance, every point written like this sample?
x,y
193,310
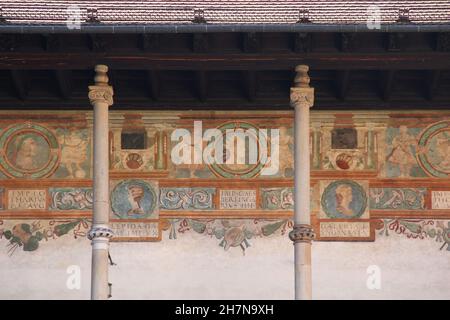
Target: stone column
x,y
100,96
302,98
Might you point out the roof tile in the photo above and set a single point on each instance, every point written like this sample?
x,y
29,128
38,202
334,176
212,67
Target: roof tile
x,y
222,12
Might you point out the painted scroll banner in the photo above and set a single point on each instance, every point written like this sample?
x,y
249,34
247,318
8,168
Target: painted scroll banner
x,y
132,230
344,230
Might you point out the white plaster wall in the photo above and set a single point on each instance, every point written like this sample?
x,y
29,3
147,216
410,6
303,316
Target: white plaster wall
x,y
195,267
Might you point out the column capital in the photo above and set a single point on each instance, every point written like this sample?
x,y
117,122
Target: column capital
x,y
302,233
101,91
302,97
301,93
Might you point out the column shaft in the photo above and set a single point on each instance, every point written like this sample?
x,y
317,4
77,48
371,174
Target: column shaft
x,y
100,96
302,165
302,202
101,163
302,98
100,246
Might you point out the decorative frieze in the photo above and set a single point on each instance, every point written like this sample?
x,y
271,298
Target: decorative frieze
x,y
186,198
397,198
71,199
277,198
400,162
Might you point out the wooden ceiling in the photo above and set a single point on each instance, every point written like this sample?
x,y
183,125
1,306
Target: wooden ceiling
x,y
376,70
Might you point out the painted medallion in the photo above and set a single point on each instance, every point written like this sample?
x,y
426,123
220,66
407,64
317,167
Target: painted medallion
x,y
29,151
434,146
344,199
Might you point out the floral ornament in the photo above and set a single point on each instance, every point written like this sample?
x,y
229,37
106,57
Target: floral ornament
x,y
417,229
397,198
278,198
232,233
186,198
72,198
28,235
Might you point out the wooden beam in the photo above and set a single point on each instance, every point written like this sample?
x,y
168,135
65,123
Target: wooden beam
x,y
250,81
51,42
281,103
431,83
113,81
302,42
342,84
396,41
225,61
149,42
443,41
202,85
251,42
64,82
387,83
348,42
154,84
200,42
98,43
20,82
8,42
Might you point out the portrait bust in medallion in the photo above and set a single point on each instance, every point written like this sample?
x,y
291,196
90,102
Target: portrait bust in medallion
x,y
28,151
344,199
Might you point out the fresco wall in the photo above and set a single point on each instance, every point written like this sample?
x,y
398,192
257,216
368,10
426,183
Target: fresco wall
x,y
375,175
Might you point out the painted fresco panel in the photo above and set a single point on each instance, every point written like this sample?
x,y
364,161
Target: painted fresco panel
x,y
401,150
389,162
76,156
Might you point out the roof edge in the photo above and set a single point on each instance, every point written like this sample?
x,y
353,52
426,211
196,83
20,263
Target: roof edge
x,y
217,28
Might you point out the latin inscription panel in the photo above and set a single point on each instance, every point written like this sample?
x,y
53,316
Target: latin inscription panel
x,y
27,199
237,199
